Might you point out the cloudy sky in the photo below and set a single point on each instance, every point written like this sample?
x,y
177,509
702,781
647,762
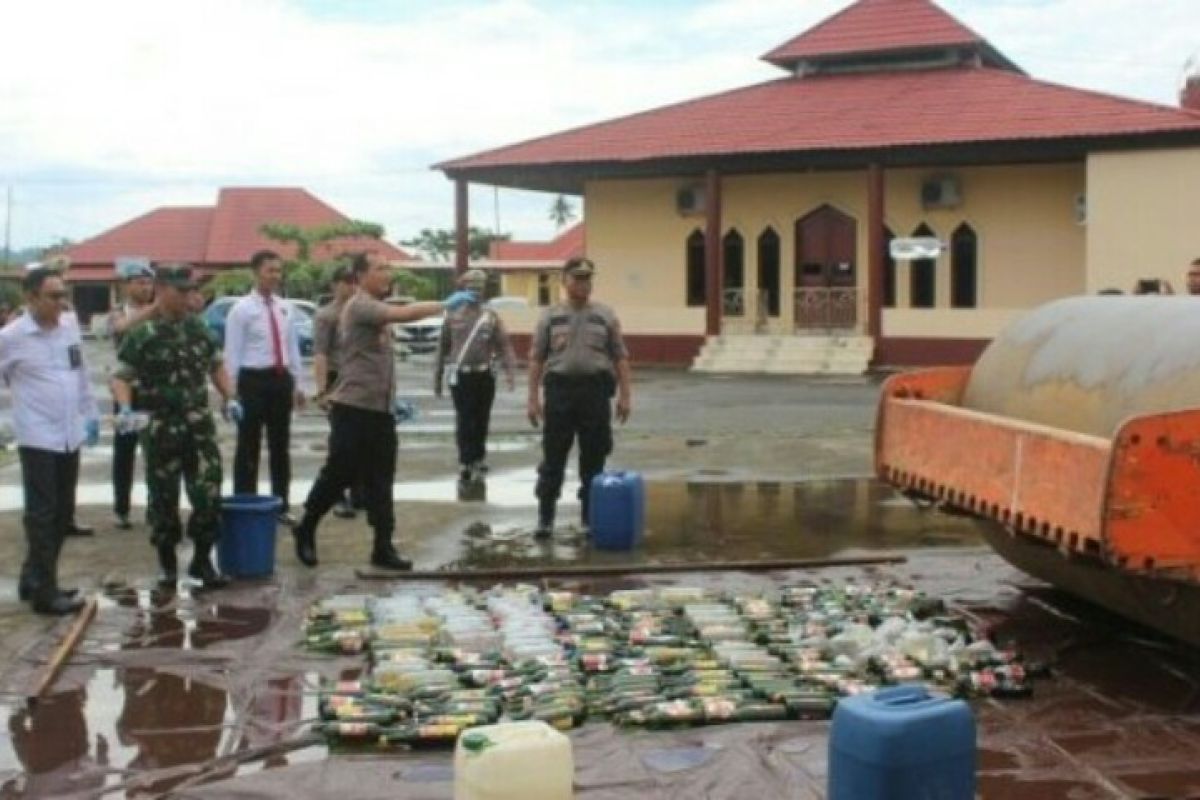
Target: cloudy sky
x,y
108,109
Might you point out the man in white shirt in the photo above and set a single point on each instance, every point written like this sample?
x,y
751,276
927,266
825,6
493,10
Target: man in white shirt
x,y
54,413
262,354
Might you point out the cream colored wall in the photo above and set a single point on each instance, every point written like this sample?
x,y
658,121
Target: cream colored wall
x,y
1030,248
947,323
1142,217
520,284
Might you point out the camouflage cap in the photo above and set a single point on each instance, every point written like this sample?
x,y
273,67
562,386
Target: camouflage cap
x,y
179,276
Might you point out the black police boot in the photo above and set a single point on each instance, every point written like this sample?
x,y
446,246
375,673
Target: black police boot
x,y
384,555
56,603
168,565
203,570
306,540
545,524
24,592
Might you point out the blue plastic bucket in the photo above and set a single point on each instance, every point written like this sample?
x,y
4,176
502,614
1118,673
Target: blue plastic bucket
x,y
246,548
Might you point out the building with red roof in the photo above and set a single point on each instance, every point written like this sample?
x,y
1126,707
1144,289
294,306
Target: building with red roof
x,y
765,213
211,238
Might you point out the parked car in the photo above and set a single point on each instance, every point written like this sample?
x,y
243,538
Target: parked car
x,y
416,337
303,312
508,301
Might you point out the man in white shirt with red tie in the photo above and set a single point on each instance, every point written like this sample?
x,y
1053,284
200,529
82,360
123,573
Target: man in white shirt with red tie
x,y
262,354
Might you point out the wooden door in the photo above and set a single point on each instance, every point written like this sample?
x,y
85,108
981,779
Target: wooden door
x,y
826,271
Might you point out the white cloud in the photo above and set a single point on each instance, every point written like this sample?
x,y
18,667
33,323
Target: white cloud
x,y
108,109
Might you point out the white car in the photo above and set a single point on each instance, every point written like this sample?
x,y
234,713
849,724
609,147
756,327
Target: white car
x,y
416,337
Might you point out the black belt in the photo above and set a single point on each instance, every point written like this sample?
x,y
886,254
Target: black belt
x,y
263,371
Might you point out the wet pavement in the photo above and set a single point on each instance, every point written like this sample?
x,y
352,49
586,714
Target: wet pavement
x,y
173,692
193,695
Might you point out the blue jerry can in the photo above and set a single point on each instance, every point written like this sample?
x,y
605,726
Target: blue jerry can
x,y
902,743
617,510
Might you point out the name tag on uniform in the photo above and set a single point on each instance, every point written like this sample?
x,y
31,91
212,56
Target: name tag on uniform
x,y
75,356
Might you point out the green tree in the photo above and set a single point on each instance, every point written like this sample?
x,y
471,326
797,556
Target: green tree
x,y
229,282
438,244
561,211
303,276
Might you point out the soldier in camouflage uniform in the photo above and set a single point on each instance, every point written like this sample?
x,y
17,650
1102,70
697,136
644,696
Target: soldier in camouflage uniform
x,y
171,357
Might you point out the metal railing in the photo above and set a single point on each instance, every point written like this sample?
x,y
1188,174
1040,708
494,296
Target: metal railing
x,y
826,308
733,302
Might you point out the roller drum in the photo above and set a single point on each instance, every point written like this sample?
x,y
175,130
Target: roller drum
x,y
1085,364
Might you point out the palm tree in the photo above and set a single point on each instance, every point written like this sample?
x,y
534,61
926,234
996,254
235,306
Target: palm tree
x,y
561,211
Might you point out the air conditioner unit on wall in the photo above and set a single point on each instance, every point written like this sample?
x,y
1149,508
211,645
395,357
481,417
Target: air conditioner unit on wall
x,y
690,201
943,191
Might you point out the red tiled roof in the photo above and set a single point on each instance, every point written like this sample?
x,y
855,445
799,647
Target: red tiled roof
x,y
877,26
848,112
218,236
164,234
568,244
240,212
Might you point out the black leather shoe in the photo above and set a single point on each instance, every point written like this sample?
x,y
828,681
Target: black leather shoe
x,y
386,557
59,605
544,529
121,522
344,510
202,570
75,529
306,542
168,564
286,519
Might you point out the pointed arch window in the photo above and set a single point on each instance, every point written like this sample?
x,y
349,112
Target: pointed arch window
x,y
922,277
768,270
964,268
734,267
697,279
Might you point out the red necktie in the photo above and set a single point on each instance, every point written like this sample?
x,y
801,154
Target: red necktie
x,y
276,344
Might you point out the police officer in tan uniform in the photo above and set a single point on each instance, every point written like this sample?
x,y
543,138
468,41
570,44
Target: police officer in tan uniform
x,y
472,343
579,355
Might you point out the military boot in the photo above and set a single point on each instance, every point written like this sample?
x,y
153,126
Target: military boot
x,y
305,534
168,565
203,570
545,523
384,555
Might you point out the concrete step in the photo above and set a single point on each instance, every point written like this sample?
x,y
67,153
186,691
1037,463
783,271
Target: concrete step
x,y
785,355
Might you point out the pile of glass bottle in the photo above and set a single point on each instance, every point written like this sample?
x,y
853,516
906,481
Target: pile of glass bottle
x,y
441,663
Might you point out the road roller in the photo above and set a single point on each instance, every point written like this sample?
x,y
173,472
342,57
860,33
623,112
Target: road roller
x,y
1077,432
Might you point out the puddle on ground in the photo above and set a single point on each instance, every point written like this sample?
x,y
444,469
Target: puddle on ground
x,y
144,731
176,620
677,759
706,520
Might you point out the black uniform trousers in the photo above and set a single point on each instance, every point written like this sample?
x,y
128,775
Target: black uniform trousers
x,y
124,460
362,448
576,406
266,397
473,393
49,479
354,495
